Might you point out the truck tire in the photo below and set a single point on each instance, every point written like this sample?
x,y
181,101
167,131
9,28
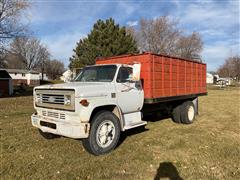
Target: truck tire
x,y
188,112
176,114
104,133
47,135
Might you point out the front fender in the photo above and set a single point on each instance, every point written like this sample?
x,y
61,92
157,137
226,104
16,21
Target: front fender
x,y
86,111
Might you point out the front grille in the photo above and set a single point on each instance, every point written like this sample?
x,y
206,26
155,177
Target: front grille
x,y
62,116
52,98
53,115
55,99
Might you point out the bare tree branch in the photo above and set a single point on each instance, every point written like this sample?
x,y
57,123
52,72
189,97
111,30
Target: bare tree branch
x,y
230,68
10,14
30,52
54,69
162,36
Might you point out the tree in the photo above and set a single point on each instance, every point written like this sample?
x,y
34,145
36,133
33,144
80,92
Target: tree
x,y
54,69
105,39
162,36
189,47
3,62
158,35
10,25
30,52
43,58
10,14
13,61
230,68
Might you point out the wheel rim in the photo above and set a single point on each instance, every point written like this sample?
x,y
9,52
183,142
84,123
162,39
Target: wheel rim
x,y
105,133
191,113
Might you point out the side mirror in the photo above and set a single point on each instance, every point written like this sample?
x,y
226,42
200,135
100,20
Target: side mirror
x,y
136,72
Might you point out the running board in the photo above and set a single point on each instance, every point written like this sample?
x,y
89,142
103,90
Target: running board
x,y
130,126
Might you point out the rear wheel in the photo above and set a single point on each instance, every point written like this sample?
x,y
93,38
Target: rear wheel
x,y
104,133
188,112
176,114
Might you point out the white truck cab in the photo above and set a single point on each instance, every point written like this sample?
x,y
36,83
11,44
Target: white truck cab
x,y
102,101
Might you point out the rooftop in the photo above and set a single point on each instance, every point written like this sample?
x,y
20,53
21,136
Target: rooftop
x,y
4,74
20,71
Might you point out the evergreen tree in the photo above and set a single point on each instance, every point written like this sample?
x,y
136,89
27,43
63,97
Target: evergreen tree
x,y
106,39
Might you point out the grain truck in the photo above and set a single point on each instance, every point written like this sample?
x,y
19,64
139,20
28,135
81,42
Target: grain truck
x,y
114,95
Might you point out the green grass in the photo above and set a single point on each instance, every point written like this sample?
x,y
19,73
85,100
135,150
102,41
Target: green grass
x,y
207,149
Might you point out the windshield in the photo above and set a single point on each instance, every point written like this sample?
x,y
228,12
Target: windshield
x,y
97,74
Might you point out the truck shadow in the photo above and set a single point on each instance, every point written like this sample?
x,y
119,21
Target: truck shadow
x,y
129,133
154,117
141,129
167,170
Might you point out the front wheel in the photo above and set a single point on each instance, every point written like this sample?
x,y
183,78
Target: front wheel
x,y
104,133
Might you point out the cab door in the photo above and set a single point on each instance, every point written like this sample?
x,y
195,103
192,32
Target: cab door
x,y
130,95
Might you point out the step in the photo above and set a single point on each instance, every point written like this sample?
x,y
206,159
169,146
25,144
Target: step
x,y
130,126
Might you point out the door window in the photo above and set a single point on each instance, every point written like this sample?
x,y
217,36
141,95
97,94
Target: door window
x,y
124,74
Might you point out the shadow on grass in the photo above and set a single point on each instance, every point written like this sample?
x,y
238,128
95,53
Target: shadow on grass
x,y
19,94
25,93
131,132
167,170
154,117
150,118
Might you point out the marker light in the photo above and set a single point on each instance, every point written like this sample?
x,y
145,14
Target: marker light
x,y
84,102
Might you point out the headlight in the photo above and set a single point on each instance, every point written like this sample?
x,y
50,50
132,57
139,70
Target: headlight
x,y
67,100
38,98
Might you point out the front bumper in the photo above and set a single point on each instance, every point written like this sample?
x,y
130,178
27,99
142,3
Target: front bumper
x,y
63,128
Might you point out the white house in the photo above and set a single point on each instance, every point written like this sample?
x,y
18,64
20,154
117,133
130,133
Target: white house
x,y
76,71
67,76
210,78
45,78
70,75
227,80
22,76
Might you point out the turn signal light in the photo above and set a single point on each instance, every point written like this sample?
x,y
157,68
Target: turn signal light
x,y
84,102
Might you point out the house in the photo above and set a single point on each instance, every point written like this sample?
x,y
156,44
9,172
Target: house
x,y
226,80
210,78
26,77
76,72
70,75
6,87
45,77
67,76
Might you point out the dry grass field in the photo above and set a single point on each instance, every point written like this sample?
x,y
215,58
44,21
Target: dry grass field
x,y
206,149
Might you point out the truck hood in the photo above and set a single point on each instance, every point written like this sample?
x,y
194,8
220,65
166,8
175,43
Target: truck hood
x,y
82,89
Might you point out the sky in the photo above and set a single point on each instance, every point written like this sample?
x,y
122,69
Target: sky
x,y
61,24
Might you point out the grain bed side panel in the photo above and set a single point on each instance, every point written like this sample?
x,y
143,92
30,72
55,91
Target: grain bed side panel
x,y
158,76
176,77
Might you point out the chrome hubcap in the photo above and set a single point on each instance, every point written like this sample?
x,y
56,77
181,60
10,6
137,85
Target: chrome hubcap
x,y
191,113
105,133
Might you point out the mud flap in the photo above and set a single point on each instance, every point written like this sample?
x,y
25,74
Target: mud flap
x,y
195,102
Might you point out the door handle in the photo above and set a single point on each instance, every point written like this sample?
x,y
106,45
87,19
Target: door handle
x,y
126,90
